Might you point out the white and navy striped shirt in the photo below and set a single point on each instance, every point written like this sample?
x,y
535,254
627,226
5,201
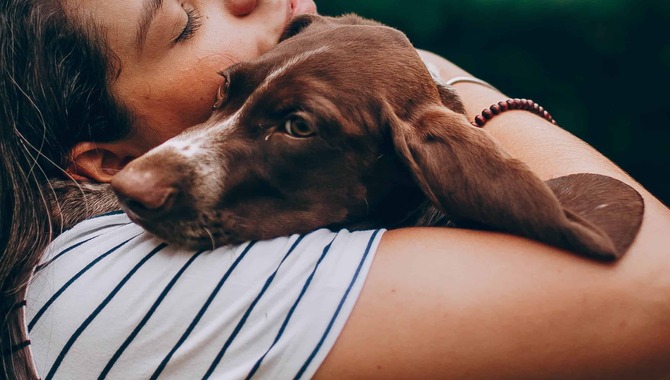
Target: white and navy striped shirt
x,y
111,301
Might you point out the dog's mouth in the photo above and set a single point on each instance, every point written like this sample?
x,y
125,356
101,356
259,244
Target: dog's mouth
x,y
132,216
208,230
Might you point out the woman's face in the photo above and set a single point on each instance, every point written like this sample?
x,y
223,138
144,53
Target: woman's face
x,y
172,50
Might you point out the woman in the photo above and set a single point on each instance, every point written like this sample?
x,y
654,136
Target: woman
x,y
90,85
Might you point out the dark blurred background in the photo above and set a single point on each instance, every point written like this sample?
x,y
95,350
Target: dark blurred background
x,y
602,68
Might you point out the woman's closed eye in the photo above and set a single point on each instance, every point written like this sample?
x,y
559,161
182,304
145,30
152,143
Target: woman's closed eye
x,y
193,23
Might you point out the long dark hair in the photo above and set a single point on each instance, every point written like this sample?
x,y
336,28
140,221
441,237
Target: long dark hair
x,y
54,75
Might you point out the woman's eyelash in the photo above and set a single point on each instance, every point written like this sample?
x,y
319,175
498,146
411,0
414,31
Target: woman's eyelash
x,y
193,23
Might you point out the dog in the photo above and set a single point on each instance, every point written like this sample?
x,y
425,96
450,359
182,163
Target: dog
x,y
342,126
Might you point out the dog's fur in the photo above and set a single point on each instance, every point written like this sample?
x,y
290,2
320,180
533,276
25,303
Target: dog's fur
x,y
388,147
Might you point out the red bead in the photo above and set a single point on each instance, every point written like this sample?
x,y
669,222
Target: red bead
x,y
511,104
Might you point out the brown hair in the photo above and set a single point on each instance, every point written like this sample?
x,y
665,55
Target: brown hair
x,y
54,75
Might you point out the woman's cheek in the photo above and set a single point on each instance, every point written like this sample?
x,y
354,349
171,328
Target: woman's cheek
x,y
187,100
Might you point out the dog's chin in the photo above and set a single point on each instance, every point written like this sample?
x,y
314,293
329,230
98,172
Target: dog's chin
x,y
132,216
203,231
204,242
192,237
211,229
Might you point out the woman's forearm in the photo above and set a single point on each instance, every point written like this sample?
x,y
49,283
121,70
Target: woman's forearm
x,y
446,303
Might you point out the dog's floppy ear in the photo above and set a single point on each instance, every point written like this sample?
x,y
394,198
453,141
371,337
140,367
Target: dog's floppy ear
x,y
613,206
465,174
450,98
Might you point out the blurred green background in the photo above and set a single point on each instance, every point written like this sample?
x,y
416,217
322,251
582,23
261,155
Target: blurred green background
x,y
601,67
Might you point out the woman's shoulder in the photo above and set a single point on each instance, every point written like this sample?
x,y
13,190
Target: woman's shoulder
x,y
284,298
116,230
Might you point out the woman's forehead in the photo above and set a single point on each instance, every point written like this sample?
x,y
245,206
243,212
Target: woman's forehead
x,y
119,20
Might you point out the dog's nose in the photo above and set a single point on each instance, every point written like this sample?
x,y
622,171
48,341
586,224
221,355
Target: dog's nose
x,y
144,193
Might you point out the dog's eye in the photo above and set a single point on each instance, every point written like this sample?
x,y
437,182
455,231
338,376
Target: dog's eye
x,y
298,127
222,93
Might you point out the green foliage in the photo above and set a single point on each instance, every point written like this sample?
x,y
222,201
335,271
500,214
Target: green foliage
x,y
602,68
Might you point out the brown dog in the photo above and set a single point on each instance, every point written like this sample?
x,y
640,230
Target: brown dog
x,y
341,125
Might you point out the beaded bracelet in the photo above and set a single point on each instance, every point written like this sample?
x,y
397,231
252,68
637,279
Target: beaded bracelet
x,y
510,105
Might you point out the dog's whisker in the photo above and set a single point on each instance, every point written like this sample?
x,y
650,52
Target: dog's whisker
x,y
211,237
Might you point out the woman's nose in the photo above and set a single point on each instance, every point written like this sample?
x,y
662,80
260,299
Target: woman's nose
x,y
241,8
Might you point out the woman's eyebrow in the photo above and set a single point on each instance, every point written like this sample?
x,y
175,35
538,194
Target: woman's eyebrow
x,y
151,8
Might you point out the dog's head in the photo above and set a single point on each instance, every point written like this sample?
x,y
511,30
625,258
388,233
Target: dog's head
x,y
296,141
340,123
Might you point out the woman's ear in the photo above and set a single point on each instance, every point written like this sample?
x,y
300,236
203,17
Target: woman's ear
x,y
97,162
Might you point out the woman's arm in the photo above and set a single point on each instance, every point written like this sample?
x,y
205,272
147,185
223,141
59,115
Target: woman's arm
x,y
469,304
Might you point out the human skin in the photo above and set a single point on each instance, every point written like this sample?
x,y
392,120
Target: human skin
x,y
438,302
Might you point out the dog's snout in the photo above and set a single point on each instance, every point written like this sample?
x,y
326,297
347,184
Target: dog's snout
x,y
146,194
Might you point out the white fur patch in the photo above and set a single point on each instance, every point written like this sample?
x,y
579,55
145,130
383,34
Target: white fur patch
x,y
230,122
191,144
186,145
287,65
